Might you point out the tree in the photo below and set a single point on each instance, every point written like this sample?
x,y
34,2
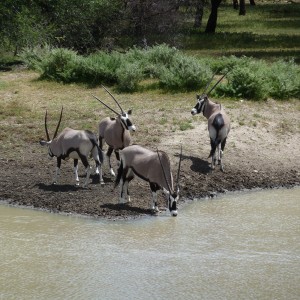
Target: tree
x,y
149,18
199,13
212,20
242,6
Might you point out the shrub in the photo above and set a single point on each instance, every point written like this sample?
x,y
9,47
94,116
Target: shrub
x,y
61,65
33,57
128,76
284,80
161,55
100,67
184,73
247,80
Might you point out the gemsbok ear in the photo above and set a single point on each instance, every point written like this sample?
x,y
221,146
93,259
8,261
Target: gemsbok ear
x,y
129,112
197,97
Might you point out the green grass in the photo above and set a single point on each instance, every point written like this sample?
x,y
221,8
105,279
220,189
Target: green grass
x,y
268,31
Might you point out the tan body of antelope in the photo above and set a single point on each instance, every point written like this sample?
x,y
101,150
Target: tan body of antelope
x,y
115,132
218,125
75,144
153,167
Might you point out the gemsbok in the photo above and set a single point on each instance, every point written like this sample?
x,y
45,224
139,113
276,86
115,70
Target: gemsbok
x,y
115,131
218,123
153,167
75,144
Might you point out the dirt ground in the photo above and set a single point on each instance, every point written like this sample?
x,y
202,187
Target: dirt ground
x,y
261,154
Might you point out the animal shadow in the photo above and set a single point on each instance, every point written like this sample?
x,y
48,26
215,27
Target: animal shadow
x,y
96,179
127,207
198,165
58,187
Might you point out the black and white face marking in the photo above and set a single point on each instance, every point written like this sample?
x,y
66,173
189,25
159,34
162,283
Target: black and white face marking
x,y
173,204
45,143
199,107
126,121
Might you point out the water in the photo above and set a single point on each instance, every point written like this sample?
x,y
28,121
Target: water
x,y
240,246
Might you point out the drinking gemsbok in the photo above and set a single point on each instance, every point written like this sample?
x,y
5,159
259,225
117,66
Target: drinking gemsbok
x,y
75,144
153,167
218,123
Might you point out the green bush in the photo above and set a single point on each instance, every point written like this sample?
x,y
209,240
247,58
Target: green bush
x,y
100,68
184,73
33,57
128,76
247,78
61,65
161,55
284,80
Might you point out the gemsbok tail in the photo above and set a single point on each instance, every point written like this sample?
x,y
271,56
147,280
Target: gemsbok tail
x,y
218,124
214,145
119,175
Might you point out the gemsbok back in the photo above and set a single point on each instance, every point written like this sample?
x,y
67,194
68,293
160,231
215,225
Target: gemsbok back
x,y
75,144
218,123
115,131
153,167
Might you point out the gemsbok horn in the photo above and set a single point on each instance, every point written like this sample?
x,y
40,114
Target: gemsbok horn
x,y
115,131
218,123
153,167
75,144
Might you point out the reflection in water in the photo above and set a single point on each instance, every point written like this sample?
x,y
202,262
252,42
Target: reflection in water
x,y
242,246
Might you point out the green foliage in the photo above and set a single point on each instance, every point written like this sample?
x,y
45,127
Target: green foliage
x,y
100,67
61,65
128,76
248,78
255,79
284,80
184,73
34,56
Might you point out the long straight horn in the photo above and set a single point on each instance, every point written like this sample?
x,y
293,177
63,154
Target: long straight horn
x,y
163,171
178,171
113,98
106,105
46,129
207,85
54,136
217,82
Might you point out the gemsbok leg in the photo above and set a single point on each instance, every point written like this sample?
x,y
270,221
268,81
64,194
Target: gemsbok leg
x,y
154,188
127,176
76,172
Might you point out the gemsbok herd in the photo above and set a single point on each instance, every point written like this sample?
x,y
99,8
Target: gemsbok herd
x,y
152,166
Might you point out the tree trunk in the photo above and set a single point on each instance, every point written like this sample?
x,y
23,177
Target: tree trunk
x,y
212,20
199,14
242,8
236,4
252,2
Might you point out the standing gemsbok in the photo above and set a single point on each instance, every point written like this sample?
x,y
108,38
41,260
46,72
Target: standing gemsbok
x,y
115,131
153,167
75,144
218,123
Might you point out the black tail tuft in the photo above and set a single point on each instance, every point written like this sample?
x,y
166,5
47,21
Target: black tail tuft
x,y
119,175
213,145
100,152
